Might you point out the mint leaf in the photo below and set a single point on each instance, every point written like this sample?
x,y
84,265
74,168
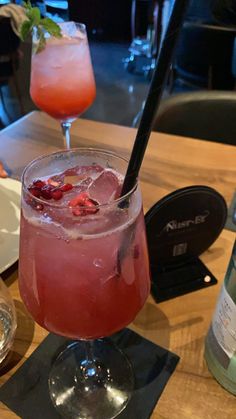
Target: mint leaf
x,y
27,4
33,20
51,27
35,15
25,29
42,41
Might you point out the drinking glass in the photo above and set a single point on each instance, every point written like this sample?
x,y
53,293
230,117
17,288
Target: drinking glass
x,y
62,81
84,274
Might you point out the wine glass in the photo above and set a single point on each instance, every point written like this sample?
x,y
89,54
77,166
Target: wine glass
x,y
84,273
62,81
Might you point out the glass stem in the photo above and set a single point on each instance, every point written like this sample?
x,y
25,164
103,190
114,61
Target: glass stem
x,y
91,368
66,134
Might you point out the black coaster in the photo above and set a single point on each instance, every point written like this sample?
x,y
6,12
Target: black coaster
x,y
26,392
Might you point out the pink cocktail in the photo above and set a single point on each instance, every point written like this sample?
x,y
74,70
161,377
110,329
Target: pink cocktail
x,y
84,269
62,81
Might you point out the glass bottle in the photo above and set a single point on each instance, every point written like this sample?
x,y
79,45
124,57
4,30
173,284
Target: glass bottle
x,y
220,345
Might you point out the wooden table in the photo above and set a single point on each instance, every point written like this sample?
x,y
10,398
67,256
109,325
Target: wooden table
x,y
179,324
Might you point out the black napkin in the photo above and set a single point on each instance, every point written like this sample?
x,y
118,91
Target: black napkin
x,y
26,392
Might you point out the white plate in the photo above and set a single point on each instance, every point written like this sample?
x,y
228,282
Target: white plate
x,y
10,192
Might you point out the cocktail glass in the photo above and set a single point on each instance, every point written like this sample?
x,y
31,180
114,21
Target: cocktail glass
x,y
62,81
84,274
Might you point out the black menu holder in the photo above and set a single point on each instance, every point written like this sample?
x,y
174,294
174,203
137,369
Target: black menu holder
x,y
180,227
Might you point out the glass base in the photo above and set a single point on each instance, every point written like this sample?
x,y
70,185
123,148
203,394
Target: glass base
x,y
82,387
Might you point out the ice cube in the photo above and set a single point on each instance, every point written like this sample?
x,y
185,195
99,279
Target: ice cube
x,y
77,174
68,28
105,187
77,189
75,179
94,169
71,30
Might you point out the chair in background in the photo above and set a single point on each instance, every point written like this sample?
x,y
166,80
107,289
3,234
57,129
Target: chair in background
x,y
9,61
208,115
203,57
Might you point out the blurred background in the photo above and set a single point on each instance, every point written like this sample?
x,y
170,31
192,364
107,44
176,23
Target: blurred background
x,y
125,38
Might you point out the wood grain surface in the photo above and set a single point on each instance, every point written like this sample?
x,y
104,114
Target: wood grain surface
x,y
179,324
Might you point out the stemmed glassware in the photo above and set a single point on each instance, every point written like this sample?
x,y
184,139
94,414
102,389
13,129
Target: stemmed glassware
x,y
84,273
62,80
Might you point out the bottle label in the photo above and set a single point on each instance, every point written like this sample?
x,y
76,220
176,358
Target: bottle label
x,y
224,324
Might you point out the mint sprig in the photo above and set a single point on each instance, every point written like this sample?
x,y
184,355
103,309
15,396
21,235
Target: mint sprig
x,y
42,25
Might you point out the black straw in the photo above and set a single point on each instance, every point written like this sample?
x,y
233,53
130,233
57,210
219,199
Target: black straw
x,y
154,94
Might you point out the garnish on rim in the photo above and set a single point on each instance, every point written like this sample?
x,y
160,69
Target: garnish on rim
x,y
42,25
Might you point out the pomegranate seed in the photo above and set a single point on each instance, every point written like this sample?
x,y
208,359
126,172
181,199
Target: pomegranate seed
x,y
77,212
56,194
66,187
46,191
39,183
83,205
90,206
35,191
79,200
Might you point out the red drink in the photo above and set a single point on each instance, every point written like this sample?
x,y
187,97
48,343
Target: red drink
x,y
84,270
62,81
